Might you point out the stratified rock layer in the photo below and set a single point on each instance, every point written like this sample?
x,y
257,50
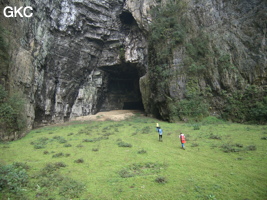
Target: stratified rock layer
x,y
67,55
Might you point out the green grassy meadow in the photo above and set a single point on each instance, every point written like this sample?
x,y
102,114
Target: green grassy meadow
x,y
125,160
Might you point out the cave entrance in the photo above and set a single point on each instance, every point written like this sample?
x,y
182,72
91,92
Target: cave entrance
x,y
123,91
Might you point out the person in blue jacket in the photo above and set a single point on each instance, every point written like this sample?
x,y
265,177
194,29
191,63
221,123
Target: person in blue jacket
x,y
160,134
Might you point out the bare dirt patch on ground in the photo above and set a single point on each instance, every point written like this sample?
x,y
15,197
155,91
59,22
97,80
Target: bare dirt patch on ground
x,y
114,115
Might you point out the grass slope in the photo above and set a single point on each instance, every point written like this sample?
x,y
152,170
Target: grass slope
x,y
125,160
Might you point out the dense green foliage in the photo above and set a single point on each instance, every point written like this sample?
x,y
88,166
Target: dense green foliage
x,y
12,116
249,105
193,107
13,178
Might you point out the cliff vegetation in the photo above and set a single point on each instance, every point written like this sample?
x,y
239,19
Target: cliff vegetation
x,y
12,115
191,76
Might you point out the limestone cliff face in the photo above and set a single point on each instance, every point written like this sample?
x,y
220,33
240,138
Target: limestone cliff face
x,y
225,46
66,56
77,57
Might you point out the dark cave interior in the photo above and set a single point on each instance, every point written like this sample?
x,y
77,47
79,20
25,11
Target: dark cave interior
x,y
123,91
127,18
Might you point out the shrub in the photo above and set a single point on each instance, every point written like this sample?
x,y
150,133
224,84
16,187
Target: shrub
x,y
67,145
196,126
145,130
215,137
228,148
88,140
124,173
96,139
193,68
49,179
161,179
71,188
195,145
140,169
95,149
46,152
80,160
48,169
239,145
58,155
106,128
21,165
12,114
60,164
56,137
141,151
246,105
124,144
80,132
193,106
13,177
102,138
251,148
40,143
49,176
108,134
62,140
135,133
39,146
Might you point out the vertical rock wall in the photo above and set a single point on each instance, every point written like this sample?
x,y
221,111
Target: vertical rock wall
x,y
59,54
225,44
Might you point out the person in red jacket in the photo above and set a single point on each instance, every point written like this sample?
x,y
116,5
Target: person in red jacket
x,y
182,139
